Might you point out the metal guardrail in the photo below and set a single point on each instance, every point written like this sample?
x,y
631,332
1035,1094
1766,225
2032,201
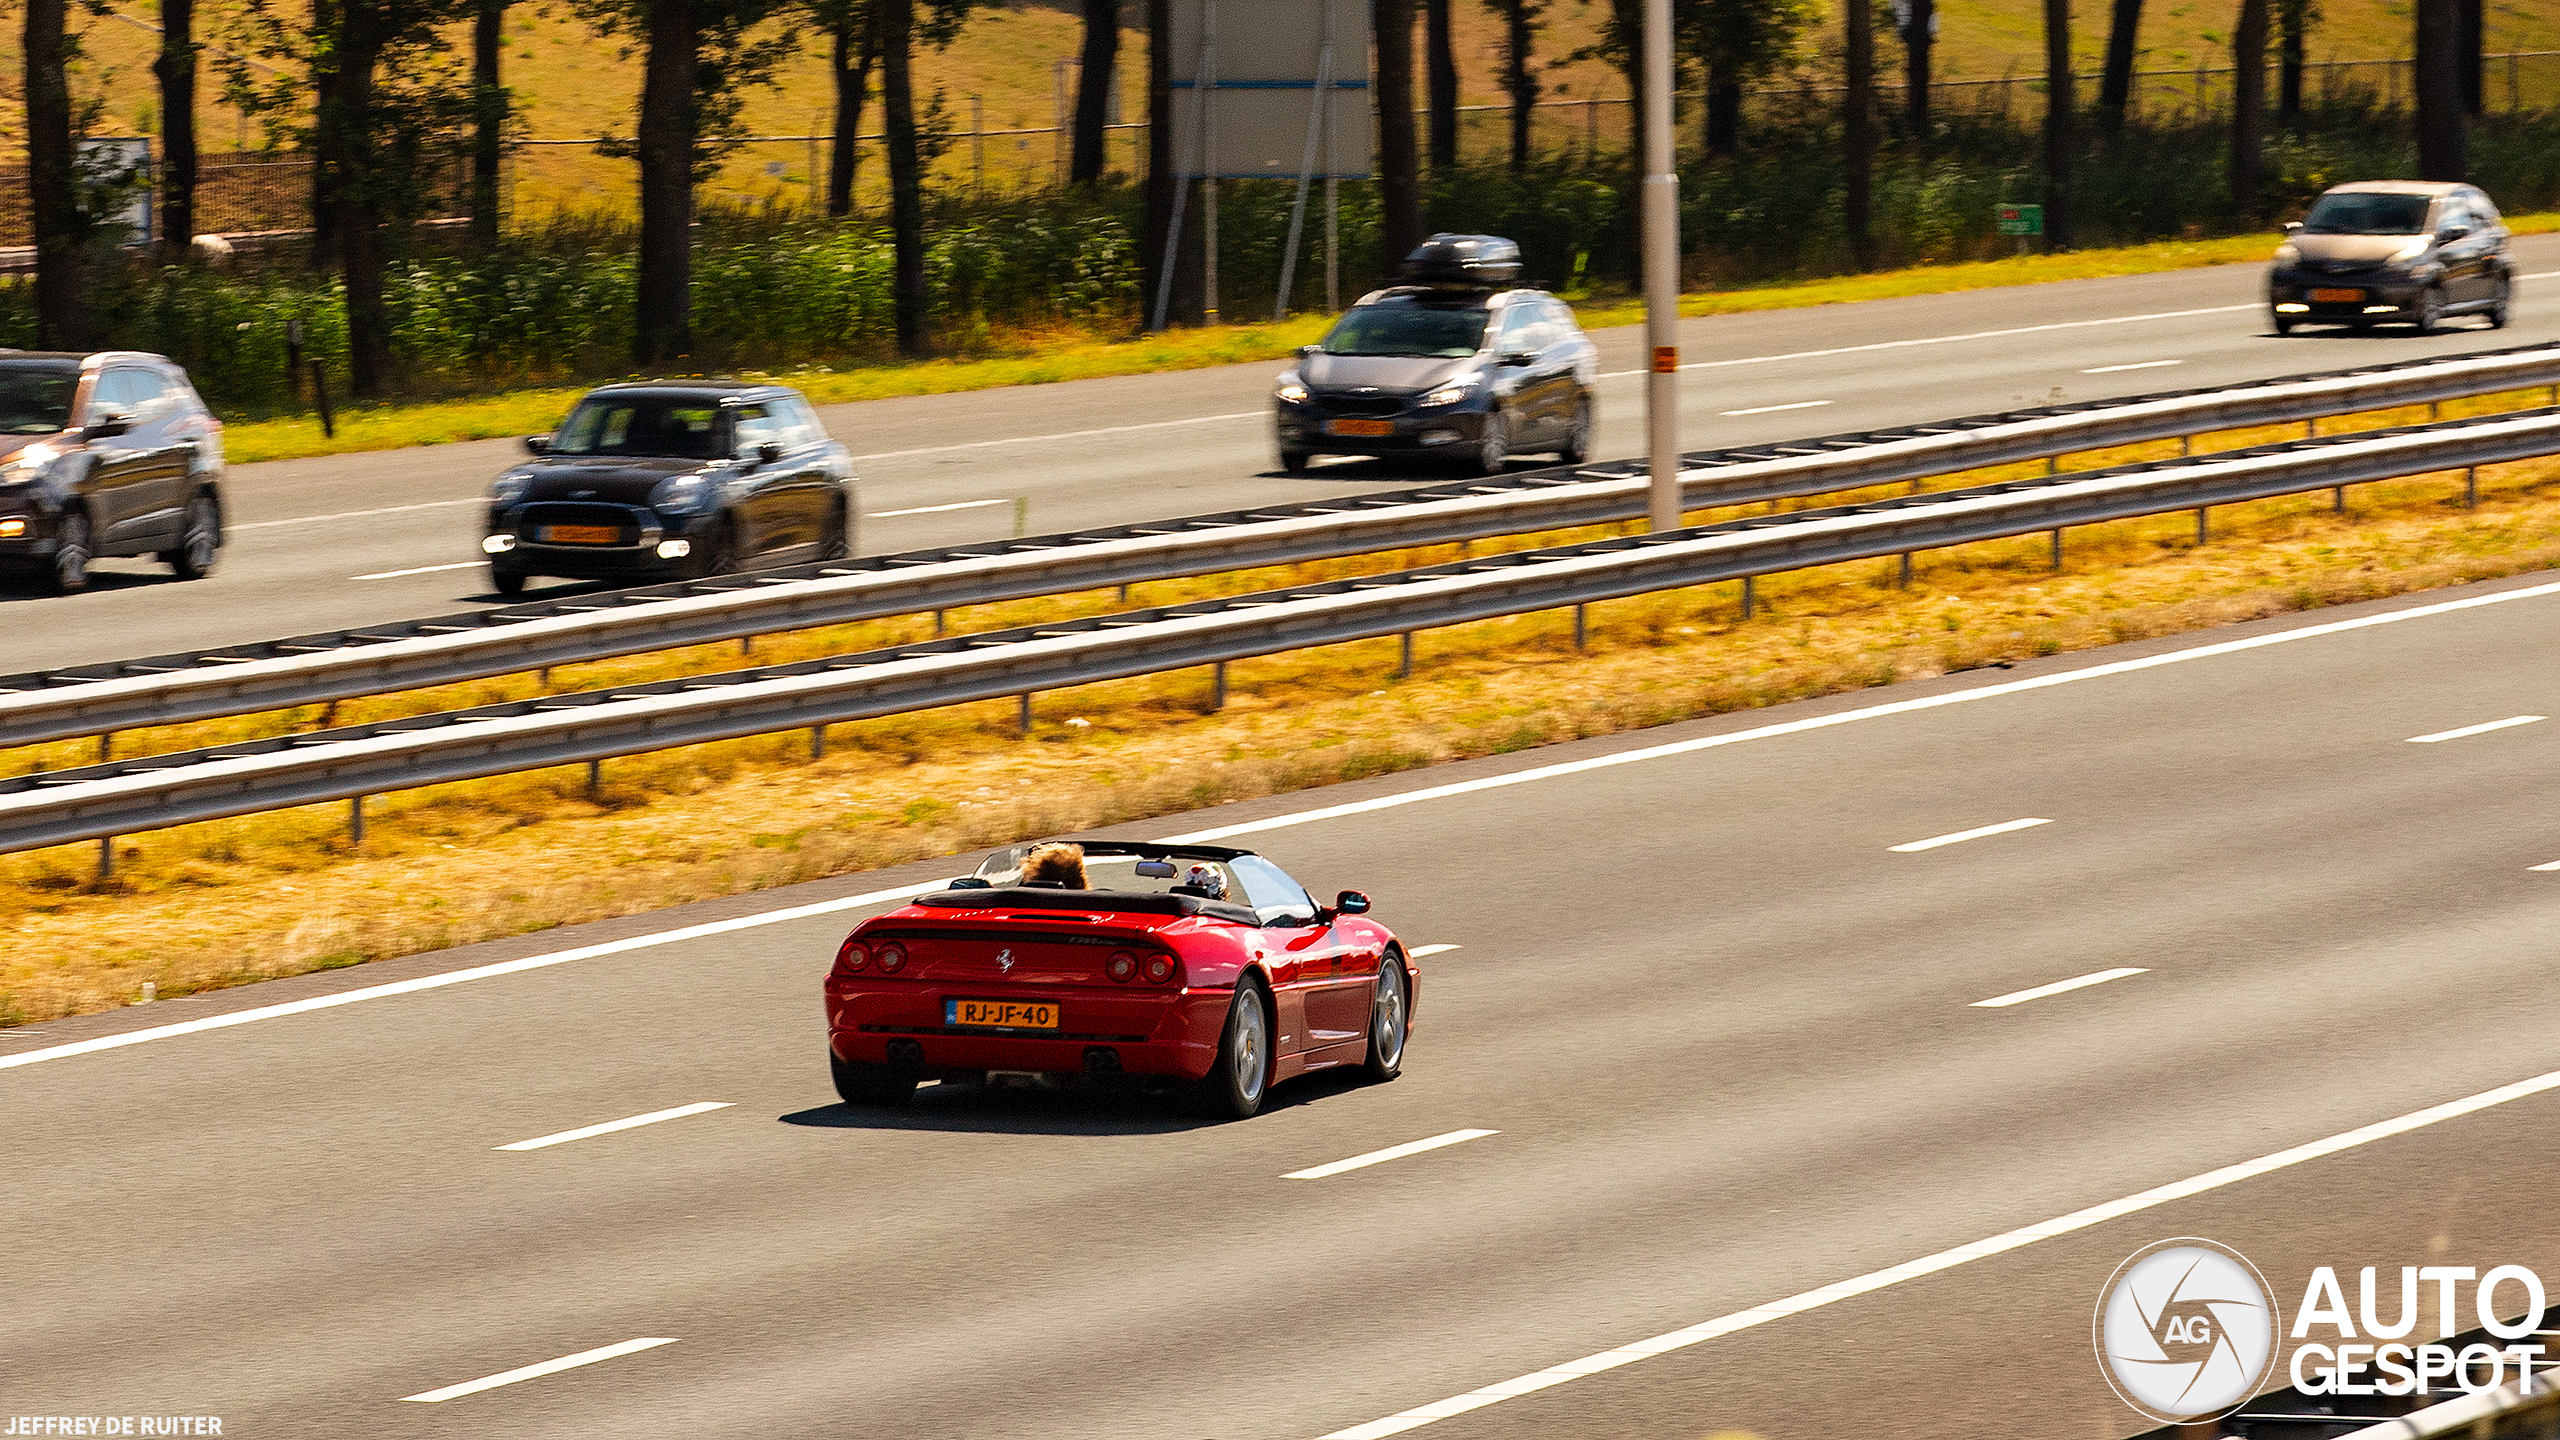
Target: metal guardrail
x,y
2525,1411
311,669
106,800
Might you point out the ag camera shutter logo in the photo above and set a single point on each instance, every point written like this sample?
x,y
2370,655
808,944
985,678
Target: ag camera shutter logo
x,y
2185,1330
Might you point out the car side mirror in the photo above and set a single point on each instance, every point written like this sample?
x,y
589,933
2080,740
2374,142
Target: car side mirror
x,y
1518,357
537,444
1351,902
107,427
2451,233
1309,352
2292,227
767,452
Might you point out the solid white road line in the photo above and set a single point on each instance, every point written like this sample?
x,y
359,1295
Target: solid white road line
x,y
2016,997
2507,724
547,1367
2137,365
357,514
938,509
2001,1244
1418,951
1851,717
420,570
608,1127
1947,339
1934,841
1063,435
1773,409
1303,817
1392,1152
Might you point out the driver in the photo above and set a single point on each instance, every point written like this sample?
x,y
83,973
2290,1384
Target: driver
x,y
1055,865
1204,881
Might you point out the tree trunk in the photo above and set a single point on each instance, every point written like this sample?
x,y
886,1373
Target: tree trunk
x,y
176,69
1399,178
53,198
355,198
488,117
325,160
2292,19
1440,67
2058,105
2115,82
1858,129
2474,92
850,58
2438,81
1916,43
906,178
2248,105
1518,80
1157,226
665,310
1093,90
1724,115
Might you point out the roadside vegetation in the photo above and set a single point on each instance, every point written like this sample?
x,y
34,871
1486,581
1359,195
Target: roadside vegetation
x,y
229,902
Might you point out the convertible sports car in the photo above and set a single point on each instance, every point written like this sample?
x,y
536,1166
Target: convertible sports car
x,y
1140,981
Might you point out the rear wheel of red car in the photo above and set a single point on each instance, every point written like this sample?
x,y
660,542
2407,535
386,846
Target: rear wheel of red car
x,y
1390,1019
1241,1076
862,1083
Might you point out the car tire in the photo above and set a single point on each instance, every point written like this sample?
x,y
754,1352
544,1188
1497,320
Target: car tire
x,y
1240,1078
199,541
1491,454
2497,311
2430,319
721,555
71,555
1390,1018
860,1082
2284,325
507,580
834,543
1577,435
1295,461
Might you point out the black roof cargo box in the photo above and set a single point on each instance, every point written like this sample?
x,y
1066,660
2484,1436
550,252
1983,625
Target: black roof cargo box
x,y
1474,262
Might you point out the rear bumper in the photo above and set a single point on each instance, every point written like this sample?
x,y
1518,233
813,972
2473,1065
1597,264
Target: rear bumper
x,y
1168,1035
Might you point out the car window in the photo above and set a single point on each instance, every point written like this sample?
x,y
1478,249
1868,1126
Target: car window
x,y
36,399
2367,214
1524,327
1268,888
146,395
755,425
619,425
801,421
1560,315
2486,209
1400,327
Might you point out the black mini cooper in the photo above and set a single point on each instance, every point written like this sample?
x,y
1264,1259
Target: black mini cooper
x,y
665,480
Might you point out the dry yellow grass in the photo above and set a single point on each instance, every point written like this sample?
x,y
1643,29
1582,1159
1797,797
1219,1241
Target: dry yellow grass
x,y
240,900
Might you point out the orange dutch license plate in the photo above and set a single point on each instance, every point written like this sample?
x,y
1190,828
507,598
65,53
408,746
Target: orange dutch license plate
x,y
2337,297
1001,1014
1375,429
581,534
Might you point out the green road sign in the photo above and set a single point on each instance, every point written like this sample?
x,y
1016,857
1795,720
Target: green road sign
x,y
2021,219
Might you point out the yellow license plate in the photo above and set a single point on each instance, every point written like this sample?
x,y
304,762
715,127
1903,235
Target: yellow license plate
x,y
2337,297
1001,1014
1372,428
581,534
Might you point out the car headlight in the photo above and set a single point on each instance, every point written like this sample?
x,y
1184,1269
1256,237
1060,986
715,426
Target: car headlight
x,y
2410,251
510,487
2288,255
1291,392
1451,393
680,494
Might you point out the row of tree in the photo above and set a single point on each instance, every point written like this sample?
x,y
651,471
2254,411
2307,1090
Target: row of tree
x,y
376,94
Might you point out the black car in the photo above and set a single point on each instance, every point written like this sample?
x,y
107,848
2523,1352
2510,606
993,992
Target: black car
x,y
109,452
1456,364
2393,251
665,480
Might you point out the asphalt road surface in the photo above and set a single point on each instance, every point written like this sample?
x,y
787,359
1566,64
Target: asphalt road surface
x,y
362,539
1718,1012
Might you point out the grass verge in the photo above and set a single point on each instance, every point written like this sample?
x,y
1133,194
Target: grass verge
x,y
1050,356
234,901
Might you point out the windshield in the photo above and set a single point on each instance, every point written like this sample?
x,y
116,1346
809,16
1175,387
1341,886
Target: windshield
x,y
1407,329
641,425
1112,872
36,399
2367,215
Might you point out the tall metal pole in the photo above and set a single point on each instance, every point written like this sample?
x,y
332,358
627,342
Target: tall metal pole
x,y
1661,272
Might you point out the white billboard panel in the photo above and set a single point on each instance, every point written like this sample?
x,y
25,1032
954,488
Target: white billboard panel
x,y
1245,76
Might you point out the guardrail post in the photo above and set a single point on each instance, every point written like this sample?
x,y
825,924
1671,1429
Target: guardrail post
x,y
355,820
1750,597
1124,594
1906,570
2338,500
746,644
2311,428
106,858
937,622
1581,632
1404,665
2186,445
2057,548
595,778
817,742
2435,411
2470,487
106,747
2200,524
1218,687
1025,720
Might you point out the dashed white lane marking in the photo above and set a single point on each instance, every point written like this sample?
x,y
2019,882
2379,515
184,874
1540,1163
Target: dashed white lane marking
x,y
543,1142
938,509
1950,339
2509,723
2078,982
1934,841
1774,409
547,1367
1418,951
2554,865
1392,1152
2001,1244
2136,365
420,570
357,514
1064,435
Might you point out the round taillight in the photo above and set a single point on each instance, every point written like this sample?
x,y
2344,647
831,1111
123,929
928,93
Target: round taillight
x,y
892,957
852,956
1159,968
1121,966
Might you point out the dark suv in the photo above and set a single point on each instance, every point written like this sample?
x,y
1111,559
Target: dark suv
x,y
104,453
670,480
2393,251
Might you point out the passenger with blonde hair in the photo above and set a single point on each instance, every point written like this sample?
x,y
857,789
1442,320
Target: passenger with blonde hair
x,y
1055,864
